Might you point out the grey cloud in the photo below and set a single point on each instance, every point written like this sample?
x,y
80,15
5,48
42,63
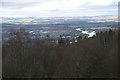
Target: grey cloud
x,y
16,5
88,9
114,5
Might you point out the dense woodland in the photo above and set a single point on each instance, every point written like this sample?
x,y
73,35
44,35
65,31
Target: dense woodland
x,y
95,57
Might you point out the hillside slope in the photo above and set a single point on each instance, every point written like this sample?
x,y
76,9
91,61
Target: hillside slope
x,y
95,57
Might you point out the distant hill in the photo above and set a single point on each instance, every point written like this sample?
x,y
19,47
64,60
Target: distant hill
x,y
55,20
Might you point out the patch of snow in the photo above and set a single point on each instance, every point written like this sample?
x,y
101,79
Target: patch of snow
x,y
75,40
92,34
79,29
30,31
70,42
85,32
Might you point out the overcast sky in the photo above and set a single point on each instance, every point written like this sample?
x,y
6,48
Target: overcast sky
x,y
57,8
